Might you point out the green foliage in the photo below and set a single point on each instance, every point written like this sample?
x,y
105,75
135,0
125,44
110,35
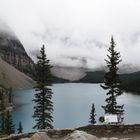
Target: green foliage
x,y
131,82
2,135
2,123
20,128
10,95
5,97
7,126
101,119
111,81
43,105
92,115
92,77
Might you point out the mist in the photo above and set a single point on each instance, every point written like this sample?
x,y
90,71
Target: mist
x,y
76,32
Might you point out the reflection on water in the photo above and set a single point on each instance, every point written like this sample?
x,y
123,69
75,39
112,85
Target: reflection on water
x,y
72,105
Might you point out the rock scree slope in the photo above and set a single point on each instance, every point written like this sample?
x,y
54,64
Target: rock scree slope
x,y
13,78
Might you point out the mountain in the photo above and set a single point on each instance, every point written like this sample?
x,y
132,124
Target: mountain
x,y
92,77
15,64
12,78
68,73
130,81
13,52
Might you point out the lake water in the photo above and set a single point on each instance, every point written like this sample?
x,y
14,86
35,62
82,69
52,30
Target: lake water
x,y
72,105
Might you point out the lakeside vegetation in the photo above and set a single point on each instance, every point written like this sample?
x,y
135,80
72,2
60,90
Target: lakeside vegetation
x,y
130,81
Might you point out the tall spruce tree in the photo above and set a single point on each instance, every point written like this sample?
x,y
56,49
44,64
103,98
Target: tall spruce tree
x,y
92,115
111,82
43,105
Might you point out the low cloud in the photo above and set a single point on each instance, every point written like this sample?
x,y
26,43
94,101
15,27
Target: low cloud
x,y
76,32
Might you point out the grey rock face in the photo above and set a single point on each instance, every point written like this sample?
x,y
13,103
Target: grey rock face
x,y
113,138
104,139
40,136
25,139
13,52
80,135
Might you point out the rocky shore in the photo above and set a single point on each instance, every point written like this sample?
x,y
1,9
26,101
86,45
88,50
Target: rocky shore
x,y
76,135
89,132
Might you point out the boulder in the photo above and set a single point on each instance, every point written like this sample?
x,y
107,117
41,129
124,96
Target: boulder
x,y
127,139
25,139
113,138
40,136
80,135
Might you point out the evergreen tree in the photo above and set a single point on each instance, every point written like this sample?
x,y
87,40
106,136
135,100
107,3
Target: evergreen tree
x,y
2,123
2,115
10,95
9,127
111,81
20,128
43,105
92,115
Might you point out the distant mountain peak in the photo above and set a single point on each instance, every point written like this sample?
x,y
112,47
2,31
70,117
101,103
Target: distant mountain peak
x,y
13,52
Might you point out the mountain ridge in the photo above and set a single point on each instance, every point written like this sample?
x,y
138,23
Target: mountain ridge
x,y
10,77
13,52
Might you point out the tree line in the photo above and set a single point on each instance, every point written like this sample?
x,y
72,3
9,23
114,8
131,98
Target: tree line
x,y
6,123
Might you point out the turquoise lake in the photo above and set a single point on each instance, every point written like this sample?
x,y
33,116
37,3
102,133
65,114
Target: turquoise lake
x,y
72,105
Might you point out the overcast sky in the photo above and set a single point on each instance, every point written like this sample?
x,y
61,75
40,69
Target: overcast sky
x,y
76,32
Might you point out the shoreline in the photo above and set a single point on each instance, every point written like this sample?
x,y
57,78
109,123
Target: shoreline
x,y
107,131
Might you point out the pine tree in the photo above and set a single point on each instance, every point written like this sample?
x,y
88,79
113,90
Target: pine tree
x,y
92,115
20,128
43,105
2,115
2,123
111,82
9,127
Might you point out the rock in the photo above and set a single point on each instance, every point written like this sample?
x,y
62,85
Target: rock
x,y
11,77
130,130
127,139
125,132
103,138
25,139
80,135
113,138
40,136
109,131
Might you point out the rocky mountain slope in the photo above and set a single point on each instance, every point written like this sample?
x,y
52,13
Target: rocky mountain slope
x,y
13,52
14,61
13,78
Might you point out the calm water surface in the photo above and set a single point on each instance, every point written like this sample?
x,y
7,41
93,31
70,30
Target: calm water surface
x,y
72,105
